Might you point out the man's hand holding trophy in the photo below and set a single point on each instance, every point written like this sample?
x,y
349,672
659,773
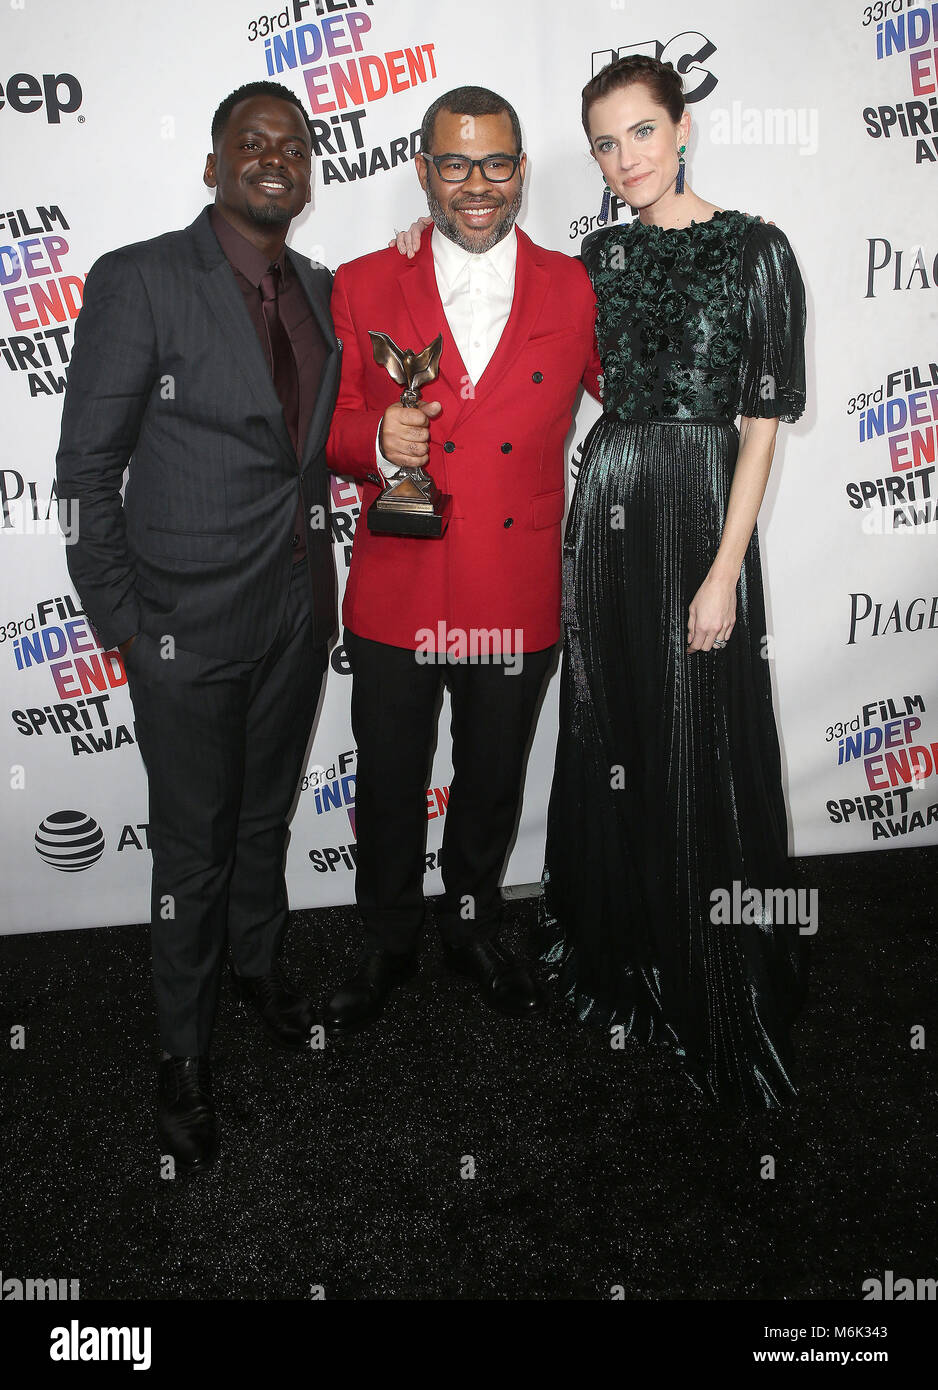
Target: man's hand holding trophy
x,y
411,504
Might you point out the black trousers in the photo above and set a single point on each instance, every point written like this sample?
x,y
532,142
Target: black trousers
x,y
394,711
224,744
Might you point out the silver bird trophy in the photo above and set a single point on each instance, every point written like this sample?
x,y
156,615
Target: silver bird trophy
x,y
411,504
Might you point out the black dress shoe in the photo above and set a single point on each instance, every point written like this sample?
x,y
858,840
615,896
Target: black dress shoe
x,y
185,1116
505,983
287,1017
360,1000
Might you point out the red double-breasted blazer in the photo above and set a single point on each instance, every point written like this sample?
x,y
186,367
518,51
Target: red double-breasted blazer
x,y
496,447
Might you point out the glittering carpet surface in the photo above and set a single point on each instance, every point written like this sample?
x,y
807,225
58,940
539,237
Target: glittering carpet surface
x,y
348,1169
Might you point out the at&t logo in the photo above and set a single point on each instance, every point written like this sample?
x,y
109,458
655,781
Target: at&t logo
x,y
69,841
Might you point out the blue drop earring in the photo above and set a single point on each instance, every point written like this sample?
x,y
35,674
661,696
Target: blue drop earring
x,y
679,183
604,205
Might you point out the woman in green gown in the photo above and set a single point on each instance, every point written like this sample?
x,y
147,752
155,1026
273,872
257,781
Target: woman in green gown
x,y
667,799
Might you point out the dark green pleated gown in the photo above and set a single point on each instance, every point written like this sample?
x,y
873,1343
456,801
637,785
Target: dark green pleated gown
x,y
667,783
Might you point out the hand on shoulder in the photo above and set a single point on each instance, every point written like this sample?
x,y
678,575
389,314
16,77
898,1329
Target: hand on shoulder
x,y
408,241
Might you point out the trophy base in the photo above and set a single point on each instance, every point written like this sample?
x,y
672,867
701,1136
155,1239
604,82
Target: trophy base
x,y
408,519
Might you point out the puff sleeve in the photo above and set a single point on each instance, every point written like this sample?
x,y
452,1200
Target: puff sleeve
x,y
772,376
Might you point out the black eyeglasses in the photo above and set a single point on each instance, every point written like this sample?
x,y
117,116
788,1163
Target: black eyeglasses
x,y
456,168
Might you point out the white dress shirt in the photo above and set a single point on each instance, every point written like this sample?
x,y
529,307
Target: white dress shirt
x,y
476,290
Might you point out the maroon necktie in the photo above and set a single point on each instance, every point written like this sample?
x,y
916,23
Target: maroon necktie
x,y
282,360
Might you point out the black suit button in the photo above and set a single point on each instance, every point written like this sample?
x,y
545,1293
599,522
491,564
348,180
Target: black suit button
x,y
538,377
295,542
506,448
509,521
448,447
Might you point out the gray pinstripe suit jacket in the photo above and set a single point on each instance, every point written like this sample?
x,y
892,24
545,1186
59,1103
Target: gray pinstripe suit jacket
x,y
168,376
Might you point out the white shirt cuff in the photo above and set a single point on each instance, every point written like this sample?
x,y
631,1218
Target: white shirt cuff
x,y
388,470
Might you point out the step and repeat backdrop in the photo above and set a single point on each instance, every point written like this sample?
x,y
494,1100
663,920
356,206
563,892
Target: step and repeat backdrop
x,y
823,119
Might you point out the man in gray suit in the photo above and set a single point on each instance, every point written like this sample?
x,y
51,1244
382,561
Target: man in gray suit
x,y
206,360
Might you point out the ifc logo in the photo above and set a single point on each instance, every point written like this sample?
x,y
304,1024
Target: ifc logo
x,y
69,841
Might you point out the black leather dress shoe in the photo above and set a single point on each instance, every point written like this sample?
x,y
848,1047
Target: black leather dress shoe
x,y
360,1000
185,1116
505,983
286,1015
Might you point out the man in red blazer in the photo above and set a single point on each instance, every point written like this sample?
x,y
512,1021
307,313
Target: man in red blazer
x,y
478,609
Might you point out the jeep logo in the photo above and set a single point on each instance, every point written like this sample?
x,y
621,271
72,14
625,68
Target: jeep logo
x,y
58,92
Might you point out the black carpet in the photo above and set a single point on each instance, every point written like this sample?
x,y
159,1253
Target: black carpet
x,y
346,1170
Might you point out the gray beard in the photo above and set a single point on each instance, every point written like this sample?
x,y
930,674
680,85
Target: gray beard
x,y
452,232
